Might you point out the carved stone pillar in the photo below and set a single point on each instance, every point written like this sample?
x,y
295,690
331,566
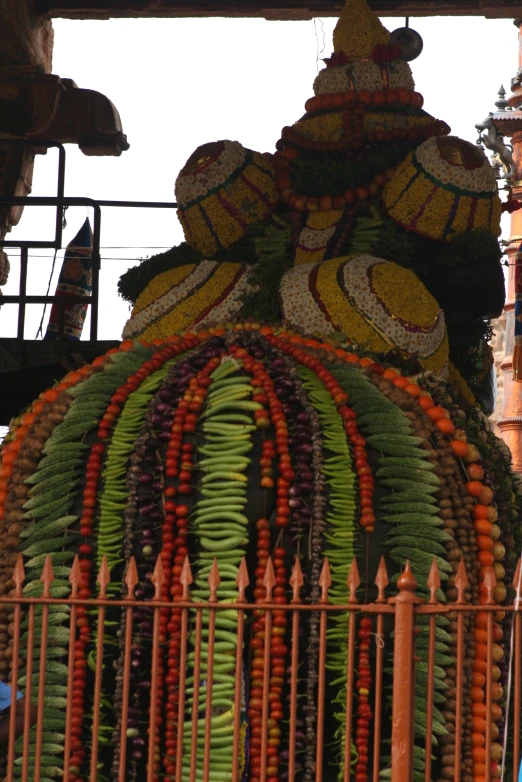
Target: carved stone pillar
x,y
26,45
510,422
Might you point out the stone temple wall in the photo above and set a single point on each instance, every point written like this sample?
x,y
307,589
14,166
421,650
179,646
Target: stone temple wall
x,y
498,344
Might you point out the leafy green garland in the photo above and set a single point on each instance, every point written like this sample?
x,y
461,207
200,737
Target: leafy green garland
x,y
274,253
414,534
136,279
338,469
315,176
53,531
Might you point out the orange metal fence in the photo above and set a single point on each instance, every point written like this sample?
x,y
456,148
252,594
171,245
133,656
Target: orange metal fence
x,y
402,610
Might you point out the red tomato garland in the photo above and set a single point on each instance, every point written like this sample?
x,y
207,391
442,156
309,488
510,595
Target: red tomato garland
x,y
364,712
179,461
278,654
93,471
340,397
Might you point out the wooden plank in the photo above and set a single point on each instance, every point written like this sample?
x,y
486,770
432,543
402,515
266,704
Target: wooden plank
x,y
279,9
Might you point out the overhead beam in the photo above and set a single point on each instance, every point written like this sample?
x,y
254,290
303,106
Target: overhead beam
x,y
279,9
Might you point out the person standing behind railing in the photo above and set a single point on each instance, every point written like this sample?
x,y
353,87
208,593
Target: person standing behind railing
x,y
5,721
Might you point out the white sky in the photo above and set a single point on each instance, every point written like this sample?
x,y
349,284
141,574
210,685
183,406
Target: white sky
x,y
180,83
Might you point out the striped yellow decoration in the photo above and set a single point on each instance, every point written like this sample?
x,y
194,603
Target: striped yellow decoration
x,y
344,316
199,235
220,199
327,127
316,222
320,220
441,203
410,299
160,285
186,314
303,257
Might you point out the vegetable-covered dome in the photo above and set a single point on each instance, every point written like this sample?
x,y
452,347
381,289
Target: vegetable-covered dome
x,y
251,443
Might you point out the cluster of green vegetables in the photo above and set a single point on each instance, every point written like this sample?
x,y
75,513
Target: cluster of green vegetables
x,y
114,498
339,547
274,256
415,535
53,531
220,526
315,175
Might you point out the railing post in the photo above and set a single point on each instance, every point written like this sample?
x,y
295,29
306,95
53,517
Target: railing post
x,y
403,678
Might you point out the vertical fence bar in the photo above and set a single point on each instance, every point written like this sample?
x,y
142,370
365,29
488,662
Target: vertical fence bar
x,y
214,581
131,580
195,703
242,582
403,677
96,263
353,582
461,583
60,189
490,583
516,669
75,580
269,583
325,582
28,691
103,579
47,578
433,584
296,582
158,579
22,292
18,578
381,582
186,580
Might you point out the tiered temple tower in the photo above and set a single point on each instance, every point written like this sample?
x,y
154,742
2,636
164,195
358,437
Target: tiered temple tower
x,y
508,120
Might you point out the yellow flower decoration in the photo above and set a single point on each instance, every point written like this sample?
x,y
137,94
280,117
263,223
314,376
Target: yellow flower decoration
x,y
358,31
446,187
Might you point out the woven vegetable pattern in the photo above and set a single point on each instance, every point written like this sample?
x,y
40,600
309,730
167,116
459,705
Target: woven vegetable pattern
x,y
216,445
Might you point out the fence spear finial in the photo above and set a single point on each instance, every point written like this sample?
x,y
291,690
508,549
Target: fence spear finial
x,y
185,578
47,576
214,580
19,575
325,580
461,581
158,578
104,577
269,580
296,581
433,581
242,580
131,578
353,581
381,581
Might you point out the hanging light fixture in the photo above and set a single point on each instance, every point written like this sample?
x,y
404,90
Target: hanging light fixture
x,y
409,41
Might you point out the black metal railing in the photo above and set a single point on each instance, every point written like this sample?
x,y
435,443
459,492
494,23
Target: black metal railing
x,y
61,202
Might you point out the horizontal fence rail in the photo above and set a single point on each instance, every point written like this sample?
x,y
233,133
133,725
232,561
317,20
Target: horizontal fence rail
x,y
392,624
